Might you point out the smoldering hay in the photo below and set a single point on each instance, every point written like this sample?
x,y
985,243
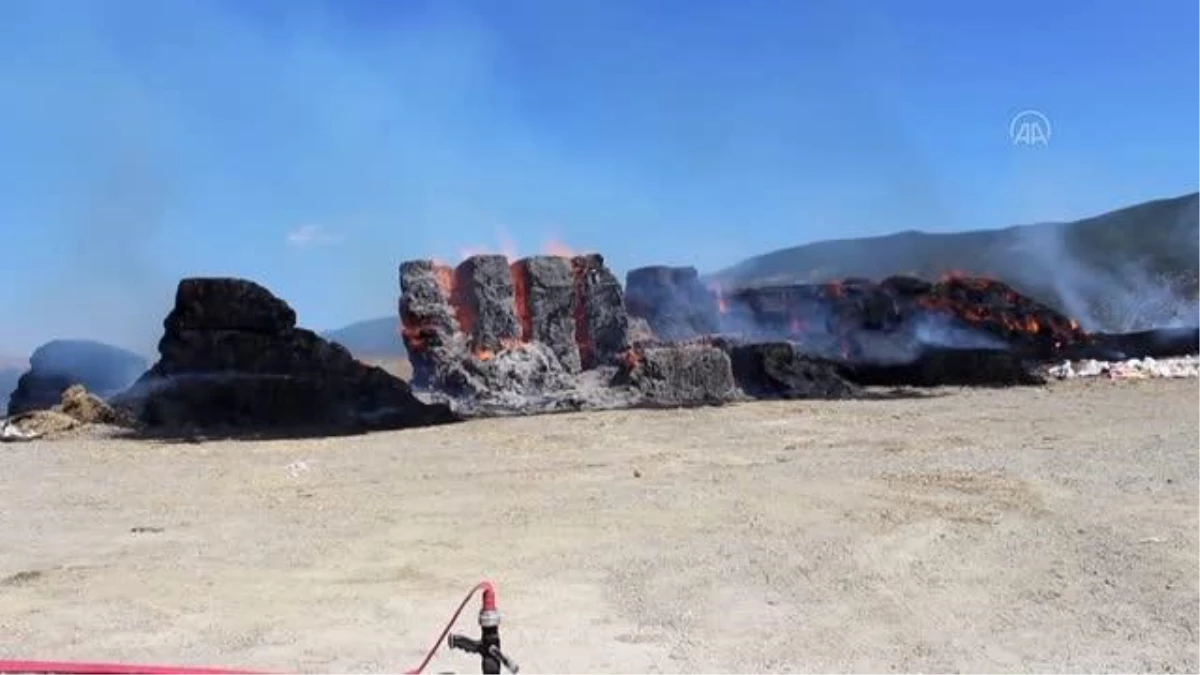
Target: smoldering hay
x,y
550,333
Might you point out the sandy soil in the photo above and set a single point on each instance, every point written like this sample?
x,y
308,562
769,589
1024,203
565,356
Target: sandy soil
x,y
1020,530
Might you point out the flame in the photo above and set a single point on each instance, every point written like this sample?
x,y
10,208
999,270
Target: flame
x,y
631,358
954,275
507,248
557,248
445,279
506,345
719,293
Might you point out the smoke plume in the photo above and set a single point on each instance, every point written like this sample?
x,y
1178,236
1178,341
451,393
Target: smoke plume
x,y
1113,277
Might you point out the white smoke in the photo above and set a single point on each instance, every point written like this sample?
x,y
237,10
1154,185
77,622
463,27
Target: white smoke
x,y
1125,297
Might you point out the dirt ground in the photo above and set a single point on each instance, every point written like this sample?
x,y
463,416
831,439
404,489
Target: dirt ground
x,y
1023,530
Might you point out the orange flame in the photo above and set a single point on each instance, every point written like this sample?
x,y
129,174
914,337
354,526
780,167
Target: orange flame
x,y
557,248
631,358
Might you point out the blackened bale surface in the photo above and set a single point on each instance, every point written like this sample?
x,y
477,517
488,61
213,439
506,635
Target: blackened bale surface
x,y
679,375
1158,344
485,301
548,286
205,303
774,370
601,324
948,367
227,379
427,318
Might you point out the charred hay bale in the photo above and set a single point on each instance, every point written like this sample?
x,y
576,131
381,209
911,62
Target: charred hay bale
x,y
58,364
233,304
427,319
239,402
678,375
1034,329
673,301
254,379
294,352
601,321
780,311
775,370
545,300
484,299
1158,343
904,285
940,366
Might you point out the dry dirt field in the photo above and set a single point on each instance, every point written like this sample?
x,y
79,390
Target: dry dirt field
x,y
1018,530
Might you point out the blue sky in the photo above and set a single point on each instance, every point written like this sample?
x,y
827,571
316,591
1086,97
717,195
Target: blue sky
x,y
312,146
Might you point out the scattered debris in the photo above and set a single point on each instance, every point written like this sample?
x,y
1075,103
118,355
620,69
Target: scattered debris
x,y
296,469
11,432
1145,368
36,424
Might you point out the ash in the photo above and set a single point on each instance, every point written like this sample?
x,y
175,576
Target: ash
x,y
527,378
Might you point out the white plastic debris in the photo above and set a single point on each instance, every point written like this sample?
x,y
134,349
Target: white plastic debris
x,y
1183,366
10,432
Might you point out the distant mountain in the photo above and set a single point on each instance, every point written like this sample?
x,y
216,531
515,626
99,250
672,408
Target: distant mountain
x,y
1135,267
372,338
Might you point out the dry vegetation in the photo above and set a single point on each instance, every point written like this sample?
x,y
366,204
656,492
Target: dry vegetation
x,y
1018,530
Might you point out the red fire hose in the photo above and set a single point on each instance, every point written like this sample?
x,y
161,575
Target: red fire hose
x,y
487,649
488,605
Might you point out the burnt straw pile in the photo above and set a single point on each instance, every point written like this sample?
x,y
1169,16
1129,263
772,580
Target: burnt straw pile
x,y
232,359
556,333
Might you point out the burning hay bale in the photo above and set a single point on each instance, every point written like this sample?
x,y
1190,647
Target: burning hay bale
x,y
232,358
545,297
601,320
552,333
776,370
430,324
678,375
855,319
488,332
485,302
56,366
673,301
